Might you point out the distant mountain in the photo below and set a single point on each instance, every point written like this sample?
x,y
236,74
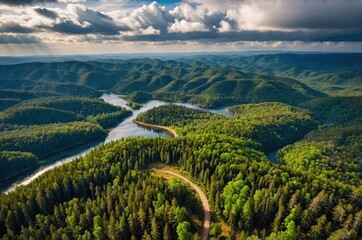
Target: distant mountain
x,y
53,88
213,87
282,62
213,82
330,73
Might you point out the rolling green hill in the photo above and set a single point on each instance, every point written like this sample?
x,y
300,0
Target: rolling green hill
x,y
66,89
8,102
211,83
330,73
61,110
36,116
213,87
337,110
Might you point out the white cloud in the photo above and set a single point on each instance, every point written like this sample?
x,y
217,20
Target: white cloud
x,y
150,31
154,15
184,26
188,12
224,26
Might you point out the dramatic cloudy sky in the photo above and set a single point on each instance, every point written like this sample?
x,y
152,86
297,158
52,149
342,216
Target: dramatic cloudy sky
x,y
106,26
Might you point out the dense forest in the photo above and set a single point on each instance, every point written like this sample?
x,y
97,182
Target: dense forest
x,y
329,153
271,201
43,126
306,108
271,124
252,196
101,196
338,111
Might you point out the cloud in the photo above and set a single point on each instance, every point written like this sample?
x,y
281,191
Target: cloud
x,y
82,20
153,15
286,14
204,21
150,31
17,39
46,12
25,2
184,26
12,27
332,14
224,26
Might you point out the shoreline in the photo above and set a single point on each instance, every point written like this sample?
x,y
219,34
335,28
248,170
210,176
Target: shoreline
x,y
171,131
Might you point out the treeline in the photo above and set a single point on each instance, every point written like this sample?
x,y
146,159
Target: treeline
x,y
333,153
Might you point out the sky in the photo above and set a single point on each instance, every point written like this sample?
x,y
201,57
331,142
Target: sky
x,y
54,27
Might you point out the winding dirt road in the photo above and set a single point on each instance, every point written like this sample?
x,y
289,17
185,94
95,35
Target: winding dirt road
x,y
205,203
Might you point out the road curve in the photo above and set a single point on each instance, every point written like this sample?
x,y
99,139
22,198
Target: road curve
x,y
204,201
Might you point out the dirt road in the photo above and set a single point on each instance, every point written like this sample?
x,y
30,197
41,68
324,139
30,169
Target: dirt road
x,y
205,203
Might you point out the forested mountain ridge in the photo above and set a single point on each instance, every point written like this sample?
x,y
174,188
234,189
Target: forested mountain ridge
x,y
337,74
202,80
58,88
203,84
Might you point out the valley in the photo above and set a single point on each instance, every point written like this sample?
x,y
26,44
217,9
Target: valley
x,y
245,132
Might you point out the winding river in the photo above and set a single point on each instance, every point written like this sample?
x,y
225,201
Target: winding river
x,y
125,129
